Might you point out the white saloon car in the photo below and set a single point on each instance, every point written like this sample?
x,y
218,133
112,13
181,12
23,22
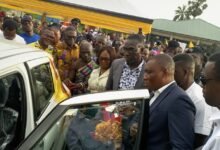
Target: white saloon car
x,y
30,87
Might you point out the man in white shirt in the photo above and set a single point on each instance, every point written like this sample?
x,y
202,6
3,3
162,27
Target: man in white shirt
x,y
8,32
184,76
211,91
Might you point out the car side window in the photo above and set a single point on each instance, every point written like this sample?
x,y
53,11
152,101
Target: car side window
x,y
12,99
105,126
43,88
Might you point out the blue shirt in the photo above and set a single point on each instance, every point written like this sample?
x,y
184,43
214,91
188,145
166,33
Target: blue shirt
x,y
30,39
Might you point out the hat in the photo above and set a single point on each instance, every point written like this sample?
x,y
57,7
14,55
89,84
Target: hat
x,y
26,18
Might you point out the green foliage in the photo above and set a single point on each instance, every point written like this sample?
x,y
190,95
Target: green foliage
x,y
181,13
192,10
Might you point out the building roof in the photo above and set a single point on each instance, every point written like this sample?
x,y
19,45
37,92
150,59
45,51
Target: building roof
x,y
195,27
117,15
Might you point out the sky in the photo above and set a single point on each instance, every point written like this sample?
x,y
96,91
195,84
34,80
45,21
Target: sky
x,y
166,9
152,9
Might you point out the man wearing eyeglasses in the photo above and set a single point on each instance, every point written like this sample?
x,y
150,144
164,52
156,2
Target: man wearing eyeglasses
x,y
211,91
67,54
184,77
46,41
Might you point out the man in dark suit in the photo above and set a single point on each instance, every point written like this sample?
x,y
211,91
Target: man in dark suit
x,y
172,113
127,73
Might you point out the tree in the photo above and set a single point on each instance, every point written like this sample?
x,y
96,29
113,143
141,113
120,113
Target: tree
x,y
181,13
196,7
192,10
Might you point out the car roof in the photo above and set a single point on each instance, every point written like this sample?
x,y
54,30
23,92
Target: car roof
x,y
12,53
108,96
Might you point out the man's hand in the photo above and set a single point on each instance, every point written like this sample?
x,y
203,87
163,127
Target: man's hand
x,y
133,130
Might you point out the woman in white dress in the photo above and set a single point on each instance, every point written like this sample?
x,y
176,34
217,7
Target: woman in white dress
x,y
99,76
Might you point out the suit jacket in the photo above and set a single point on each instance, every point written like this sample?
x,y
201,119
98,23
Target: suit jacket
x,y
171,121
115,75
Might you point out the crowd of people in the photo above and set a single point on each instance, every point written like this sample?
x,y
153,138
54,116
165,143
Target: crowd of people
x,y
184,85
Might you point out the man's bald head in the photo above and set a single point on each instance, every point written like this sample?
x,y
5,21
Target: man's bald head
x,y
101,39
165,62
85,51
85,46
159,71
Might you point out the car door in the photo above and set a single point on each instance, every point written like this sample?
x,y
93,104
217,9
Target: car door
x,y
82,123
16,119
42,87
